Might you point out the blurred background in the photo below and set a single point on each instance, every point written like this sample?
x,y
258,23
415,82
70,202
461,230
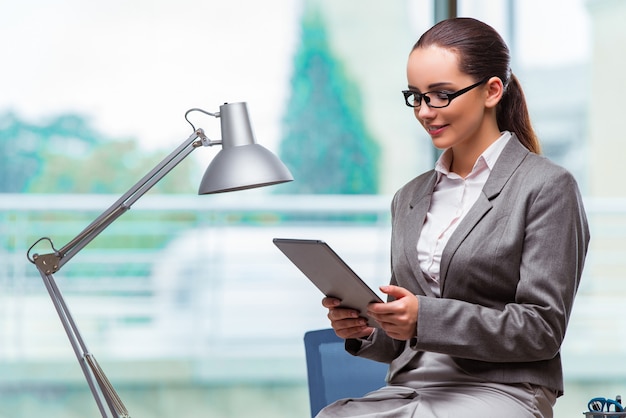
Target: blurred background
x,y
189,308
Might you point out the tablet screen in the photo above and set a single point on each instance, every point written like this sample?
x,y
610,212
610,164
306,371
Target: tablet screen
x,y
332,276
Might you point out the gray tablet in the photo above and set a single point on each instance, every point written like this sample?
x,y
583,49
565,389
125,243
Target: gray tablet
x,y
329,273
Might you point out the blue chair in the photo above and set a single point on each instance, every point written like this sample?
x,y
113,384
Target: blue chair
x,y
334,373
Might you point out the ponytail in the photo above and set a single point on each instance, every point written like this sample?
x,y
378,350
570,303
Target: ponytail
x,y
512,115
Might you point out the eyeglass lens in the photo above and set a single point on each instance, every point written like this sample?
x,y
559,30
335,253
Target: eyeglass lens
x,y
434,99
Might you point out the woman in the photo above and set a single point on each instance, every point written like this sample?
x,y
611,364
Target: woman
x,y
487,249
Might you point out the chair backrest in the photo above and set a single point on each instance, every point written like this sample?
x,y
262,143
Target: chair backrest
x,y
334,373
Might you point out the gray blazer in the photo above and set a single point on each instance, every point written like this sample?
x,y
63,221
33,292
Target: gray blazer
x,y
509,274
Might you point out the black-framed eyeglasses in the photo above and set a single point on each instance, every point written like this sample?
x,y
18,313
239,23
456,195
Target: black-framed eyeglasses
x,y
436,99
603,404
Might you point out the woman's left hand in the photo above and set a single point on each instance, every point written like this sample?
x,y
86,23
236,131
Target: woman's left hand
x,y
397,318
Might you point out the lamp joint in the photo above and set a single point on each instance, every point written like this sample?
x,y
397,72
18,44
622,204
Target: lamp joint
x,y
204,140
47,263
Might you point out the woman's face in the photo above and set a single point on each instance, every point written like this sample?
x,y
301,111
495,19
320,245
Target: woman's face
x,y
463,122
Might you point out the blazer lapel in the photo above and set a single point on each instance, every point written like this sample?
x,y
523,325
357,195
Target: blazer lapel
x,y
418,209
511,157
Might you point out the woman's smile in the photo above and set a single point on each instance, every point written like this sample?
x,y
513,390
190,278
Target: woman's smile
x,y
435,130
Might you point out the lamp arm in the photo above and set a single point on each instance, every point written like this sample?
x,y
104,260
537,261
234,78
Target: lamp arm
x,y
99,385
51,263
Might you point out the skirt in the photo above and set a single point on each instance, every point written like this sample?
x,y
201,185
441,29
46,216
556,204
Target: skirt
x,y
435,387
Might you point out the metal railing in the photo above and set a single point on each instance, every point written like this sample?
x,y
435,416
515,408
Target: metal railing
x,y
196,279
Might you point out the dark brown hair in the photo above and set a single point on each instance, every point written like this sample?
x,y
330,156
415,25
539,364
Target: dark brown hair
x,y
482,54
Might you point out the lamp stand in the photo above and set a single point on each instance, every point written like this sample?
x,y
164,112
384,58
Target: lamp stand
x,y
241,164
107,399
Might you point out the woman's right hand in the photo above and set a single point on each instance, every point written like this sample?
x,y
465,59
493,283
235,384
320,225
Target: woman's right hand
x,y
346,322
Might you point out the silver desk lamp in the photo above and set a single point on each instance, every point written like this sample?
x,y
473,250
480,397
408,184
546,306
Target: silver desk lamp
x,y
240,164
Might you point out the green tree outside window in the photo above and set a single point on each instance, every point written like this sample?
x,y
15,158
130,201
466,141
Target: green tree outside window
x,y
325,141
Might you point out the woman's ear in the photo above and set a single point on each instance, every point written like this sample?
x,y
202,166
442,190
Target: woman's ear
x,y
495,90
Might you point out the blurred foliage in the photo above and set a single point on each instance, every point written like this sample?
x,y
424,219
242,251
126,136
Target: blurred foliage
x,y
67,155
325,141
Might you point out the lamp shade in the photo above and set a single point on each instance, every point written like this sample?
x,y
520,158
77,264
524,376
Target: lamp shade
x,y
241,163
